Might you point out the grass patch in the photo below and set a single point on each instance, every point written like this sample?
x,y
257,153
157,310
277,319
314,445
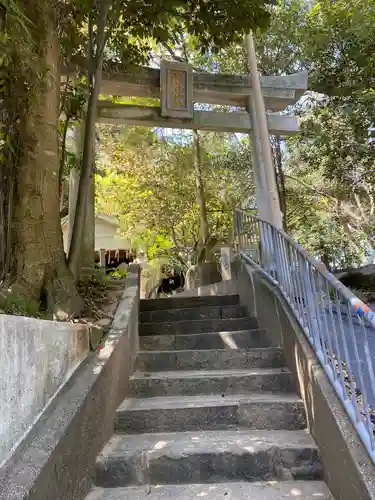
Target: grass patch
x,y
19,305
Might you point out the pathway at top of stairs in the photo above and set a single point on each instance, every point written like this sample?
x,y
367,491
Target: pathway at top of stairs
x,y
212,412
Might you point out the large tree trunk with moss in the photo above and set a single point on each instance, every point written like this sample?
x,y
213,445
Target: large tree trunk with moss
x,y
40,269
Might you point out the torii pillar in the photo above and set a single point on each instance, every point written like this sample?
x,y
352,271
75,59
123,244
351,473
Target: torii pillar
x,y
264,173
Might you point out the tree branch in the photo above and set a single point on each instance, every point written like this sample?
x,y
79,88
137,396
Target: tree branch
x,y
359,204
344,208
185,51
172,53
63,97
174,238
309,186
90,53
63,150
102,37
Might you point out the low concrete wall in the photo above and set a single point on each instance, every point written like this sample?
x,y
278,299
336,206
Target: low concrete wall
x,y
349,472
56,460
36,358
260,302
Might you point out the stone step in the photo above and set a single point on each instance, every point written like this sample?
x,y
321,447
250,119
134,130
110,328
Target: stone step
x,y
211,359
178,414
196,326
262,490
240,339
206,457
181,302
233,311
193,313
184,383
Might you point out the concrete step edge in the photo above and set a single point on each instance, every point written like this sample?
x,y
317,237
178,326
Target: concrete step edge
x,y
222,412
298,490
186,327
192,359
177,458
204,300
196,374
197,321
210,440
250,350
219,312
221,332
181,402
224,339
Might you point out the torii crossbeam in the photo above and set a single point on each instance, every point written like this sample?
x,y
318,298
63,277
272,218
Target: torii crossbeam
x,y
178,88
230,90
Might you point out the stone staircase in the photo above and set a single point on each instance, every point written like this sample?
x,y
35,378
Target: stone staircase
x,y
212,415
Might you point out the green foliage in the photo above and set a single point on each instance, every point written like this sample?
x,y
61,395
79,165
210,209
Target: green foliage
x,y
93,288
119,273
334,41
329,167
73,98
339,45
333,139
20,305
330,174
278,48
157,244
148,181
150,185
213,24
121,32
10,9
133,28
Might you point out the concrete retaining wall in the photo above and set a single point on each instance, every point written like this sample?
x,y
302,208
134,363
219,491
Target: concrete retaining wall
x,y
56,460
36,358
349,472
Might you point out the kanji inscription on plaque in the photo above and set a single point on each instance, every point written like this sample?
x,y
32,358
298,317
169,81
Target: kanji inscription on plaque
x,y
176,81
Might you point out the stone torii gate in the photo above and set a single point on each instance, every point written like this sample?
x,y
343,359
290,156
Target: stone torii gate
x,y
178,87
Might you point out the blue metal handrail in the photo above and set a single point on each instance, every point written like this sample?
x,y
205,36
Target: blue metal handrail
x,y
338,325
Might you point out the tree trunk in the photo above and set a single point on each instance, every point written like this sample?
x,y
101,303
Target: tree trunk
x,y
95,77
349,233
203,224
62,160
325,259
280,178
88,240
6,215
40,268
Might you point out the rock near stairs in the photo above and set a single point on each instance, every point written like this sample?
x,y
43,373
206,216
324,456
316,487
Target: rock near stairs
x,y
212,412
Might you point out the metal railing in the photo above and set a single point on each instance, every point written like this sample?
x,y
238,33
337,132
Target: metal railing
x,y
338,325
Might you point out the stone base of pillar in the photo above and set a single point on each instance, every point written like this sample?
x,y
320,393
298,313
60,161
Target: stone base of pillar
x,y
225,262
102,257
